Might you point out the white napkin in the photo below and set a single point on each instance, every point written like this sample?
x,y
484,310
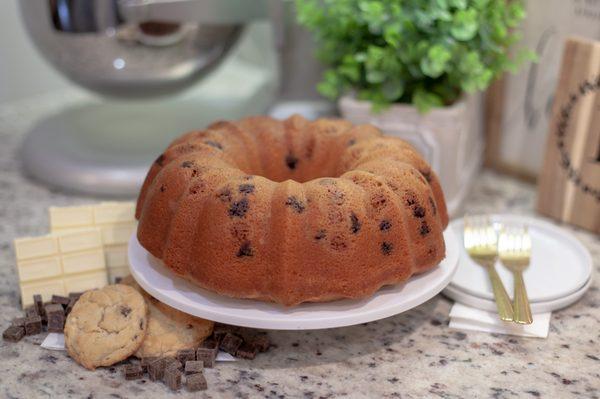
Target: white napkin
x,y
463,317
56,342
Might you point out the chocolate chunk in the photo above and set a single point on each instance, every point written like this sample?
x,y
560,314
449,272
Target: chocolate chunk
x,y
385,225
185,355
418,211
295,204
18,322
13,334
214,144
38,303
172,378
211,343
171,362
424,229
156,369
291,161
386,248
75,295
246,188
31,311
56,317
145,362
355,223
125,310
193,367
261,342
207,356
246,351
33,325
230,343
118,280
245,250
196,382
133,371
61,300
239,208
70,306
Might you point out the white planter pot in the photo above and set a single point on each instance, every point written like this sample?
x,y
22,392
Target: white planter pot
x,y
450,138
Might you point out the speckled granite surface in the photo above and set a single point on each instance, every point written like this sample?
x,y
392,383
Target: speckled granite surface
x,y
411,355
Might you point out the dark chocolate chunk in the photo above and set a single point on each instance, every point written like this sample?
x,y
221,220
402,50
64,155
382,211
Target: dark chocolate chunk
x,y
196,382
230,343
193,367
354,223
75,295
117,280
433,206
246,188
418,211
261,342
171,362
210,343
56,317
125,310
320,235
172,378
385,225
239,208
13,334
61,300
295,204
33,325
424,229
245,250
220,330
72,303
145,362
133,371
185,355
156,369
386,248
291,161
246,351
18,322
206,356
31,311
214,144
38,303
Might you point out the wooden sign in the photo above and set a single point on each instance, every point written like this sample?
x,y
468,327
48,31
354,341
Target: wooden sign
x,y
569,182
519,107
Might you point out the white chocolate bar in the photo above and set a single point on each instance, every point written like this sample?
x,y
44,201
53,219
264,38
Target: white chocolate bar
x,y
114,212
116,256
79,240
85,281
35,247
70,217
46,288
83,261
117,233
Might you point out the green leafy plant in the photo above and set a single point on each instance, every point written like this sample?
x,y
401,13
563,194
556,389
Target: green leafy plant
x,y
423,52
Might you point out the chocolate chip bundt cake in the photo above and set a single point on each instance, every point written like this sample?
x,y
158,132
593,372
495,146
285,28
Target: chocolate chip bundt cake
x,y
292,211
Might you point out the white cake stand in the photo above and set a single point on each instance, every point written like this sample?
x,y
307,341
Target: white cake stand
x,y
165,286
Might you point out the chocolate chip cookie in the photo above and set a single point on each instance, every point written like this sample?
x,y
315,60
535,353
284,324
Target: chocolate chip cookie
x,y
106,326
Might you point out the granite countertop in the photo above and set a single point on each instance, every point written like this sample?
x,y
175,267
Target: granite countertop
x,y
411,355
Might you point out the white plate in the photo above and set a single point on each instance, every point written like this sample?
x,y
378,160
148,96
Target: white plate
x,y
560,264
536,307
165,286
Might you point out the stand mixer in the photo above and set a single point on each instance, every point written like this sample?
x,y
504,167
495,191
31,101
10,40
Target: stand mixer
x,y
139,55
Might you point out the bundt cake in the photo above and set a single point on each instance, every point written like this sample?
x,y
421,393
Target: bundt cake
x,y
292,211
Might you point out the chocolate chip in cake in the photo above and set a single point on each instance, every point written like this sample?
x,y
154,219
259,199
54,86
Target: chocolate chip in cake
x,y
214,144
163,188
354,223
410,199
61,300
230,343
55,315
13,334
418,211
225,195
187,164
245,250
386,248
385,225
351,142
320,235
378,201
159,161
196,382
172,378
295,204
207,356
133,371
246,351
246,188
433,206
291,161
193,367
424,229
33,325
239,208
156,369
184,355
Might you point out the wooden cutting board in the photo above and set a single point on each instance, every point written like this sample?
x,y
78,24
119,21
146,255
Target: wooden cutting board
x,y
569,183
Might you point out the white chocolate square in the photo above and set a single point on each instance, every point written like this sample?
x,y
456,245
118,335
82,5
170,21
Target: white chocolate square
x,y
35,247
46,288
70,216
79,240
116,256
117,233
39,268
86,281
83,261
114,212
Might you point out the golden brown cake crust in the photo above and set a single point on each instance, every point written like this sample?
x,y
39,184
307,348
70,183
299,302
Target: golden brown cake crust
x,y
292,211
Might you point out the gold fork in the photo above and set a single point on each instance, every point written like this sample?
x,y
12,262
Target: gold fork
x,y
514,249
481,243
